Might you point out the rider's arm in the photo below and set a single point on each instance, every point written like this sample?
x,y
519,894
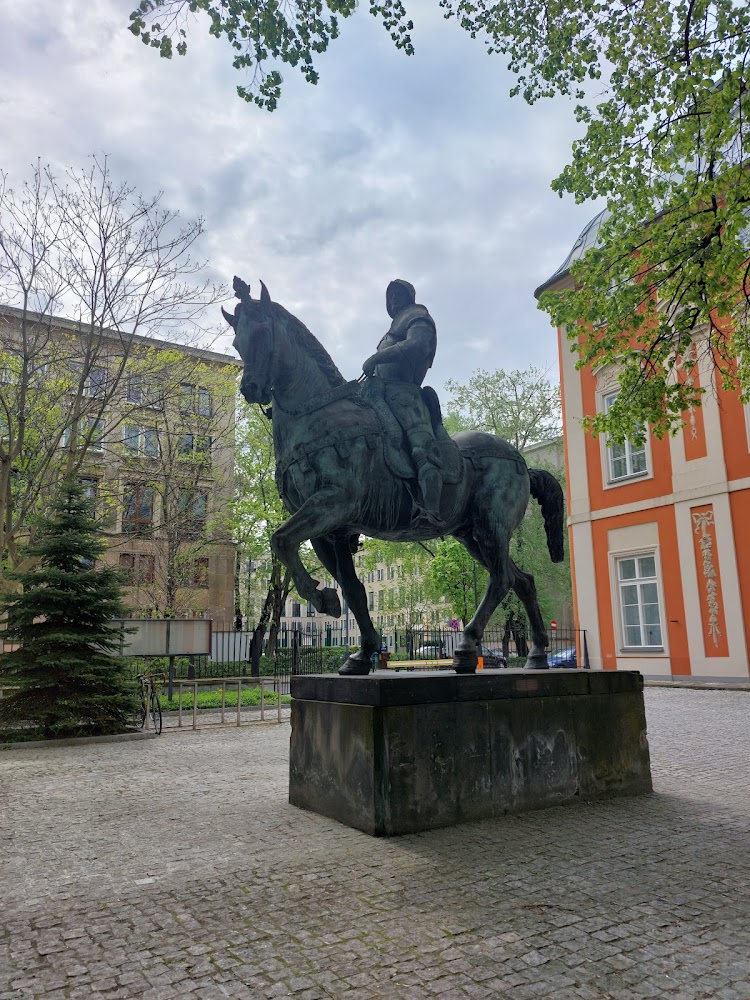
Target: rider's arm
x,y
387,355
419,343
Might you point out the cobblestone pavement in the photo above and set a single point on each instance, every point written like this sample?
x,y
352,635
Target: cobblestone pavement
x,y
176,868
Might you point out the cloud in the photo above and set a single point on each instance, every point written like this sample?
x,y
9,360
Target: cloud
x,y
392,166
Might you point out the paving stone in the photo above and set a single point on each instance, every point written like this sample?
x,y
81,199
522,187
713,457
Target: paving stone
x,y
625,899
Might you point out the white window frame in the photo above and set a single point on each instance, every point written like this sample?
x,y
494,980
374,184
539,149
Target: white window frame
x,y
143,391
615,559
203,402
96,446
94,381
195,399
140,438
90,487
97,438
193,510
195,440
606,398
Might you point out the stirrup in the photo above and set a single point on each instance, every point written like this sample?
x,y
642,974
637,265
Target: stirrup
x,y
427,519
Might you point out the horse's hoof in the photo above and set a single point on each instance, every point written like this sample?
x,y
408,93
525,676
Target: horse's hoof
x,y
465,661
330,603
538,662
355,668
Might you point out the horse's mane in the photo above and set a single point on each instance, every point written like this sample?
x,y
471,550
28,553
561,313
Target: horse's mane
x,y
312,345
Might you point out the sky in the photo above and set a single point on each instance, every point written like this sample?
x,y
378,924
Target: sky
x,y
416,167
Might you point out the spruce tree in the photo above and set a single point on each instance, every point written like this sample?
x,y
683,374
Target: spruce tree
x,y
69,682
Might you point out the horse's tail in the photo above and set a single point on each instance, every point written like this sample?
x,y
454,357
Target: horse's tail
x,y
546,489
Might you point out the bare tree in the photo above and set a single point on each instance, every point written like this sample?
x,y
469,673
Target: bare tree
x,y
118,266
176,467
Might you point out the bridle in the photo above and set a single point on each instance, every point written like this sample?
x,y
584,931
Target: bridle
x,y
246,302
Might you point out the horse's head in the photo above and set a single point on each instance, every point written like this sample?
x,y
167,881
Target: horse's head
x,y
253,327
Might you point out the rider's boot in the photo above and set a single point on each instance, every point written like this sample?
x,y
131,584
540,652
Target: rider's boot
x,y
431,488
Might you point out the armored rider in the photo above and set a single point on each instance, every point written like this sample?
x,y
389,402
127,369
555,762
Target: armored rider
x,y
402,360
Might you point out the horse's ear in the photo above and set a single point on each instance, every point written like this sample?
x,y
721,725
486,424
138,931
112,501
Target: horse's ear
x,y
241,289
228,317
265,298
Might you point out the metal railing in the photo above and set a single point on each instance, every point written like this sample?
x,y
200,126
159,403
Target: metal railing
x,y
225,684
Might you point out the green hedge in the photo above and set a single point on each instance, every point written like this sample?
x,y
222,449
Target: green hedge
x,y
326,659
212,699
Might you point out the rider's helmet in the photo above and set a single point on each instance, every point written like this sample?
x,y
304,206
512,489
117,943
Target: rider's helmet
x,y
398,296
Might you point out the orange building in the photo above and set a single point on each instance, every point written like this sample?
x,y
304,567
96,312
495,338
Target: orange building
x,y
659,533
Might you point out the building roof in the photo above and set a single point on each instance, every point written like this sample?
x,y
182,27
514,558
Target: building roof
x,y
548,452
589,237
62,323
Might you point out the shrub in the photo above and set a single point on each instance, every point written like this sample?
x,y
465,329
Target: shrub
x,y
68,682
212,699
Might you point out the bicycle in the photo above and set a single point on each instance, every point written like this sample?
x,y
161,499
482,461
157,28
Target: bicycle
x,y
149,701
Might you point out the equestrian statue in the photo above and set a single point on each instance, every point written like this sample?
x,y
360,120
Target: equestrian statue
x,y
372,457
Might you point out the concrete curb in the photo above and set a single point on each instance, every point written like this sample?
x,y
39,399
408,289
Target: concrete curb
x,y
700,685
77,741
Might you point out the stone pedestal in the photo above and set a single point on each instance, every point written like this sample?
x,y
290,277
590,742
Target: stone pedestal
x,y
398,753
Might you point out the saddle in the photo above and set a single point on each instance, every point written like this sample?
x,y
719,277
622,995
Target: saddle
x,y
396,455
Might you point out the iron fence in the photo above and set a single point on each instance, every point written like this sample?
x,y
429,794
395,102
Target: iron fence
x,y
230,647
567,647
308,652
429,648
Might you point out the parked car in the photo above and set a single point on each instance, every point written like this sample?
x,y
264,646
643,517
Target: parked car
x,y
563,657
433,650
436,651
493,657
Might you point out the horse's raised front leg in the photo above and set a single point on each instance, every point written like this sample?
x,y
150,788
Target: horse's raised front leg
x,y
319,515
336,556
523,584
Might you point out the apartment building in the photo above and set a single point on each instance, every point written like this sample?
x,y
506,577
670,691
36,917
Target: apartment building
x,y
395,598
148,427
659,532
547,454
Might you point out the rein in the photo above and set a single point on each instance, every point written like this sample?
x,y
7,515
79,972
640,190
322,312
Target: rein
x,y
319,401
322,399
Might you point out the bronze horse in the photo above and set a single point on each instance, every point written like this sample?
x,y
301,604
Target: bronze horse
x,y
333,477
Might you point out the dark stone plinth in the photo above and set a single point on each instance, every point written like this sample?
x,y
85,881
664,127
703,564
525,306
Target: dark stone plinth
x,y
392,754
